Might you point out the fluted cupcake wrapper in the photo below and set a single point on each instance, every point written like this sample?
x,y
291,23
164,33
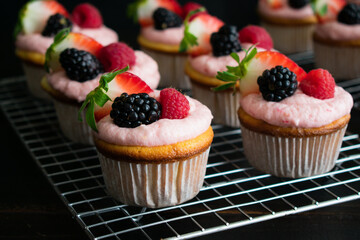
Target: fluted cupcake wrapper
x,y
171,68
154,185
71,127
34,74
342,62
292,157
291,39
223,105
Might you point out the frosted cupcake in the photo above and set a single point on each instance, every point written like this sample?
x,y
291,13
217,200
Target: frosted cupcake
x,y
289,22
153,146
38,23
75,64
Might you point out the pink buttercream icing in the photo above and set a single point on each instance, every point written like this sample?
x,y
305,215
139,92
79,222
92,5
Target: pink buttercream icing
x,y
37,43
285,11
209,65
338,31
299,110
160,133
146,68
171,36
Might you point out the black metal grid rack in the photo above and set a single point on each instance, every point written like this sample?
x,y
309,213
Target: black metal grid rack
x,y
234,194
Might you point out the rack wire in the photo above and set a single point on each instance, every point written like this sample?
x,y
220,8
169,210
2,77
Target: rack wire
x,y
234,194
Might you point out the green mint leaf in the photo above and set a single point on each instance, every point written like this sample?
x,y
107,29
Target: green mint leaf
x,y
101,98
323,10
226,77
108,77
19,24
235,56
224,86
51,50
90,117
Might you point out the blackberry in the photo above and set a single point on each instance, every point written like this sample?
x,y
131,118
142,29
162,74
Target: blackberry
x,y
277,83
55,24
225,41
297,4
350,14
80,65
130,111
164,18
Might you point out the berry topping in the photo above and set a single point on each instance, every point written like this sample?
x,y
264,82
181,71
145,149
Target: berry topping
x,y
319,84
87,16
275,3
55,24
164,19
190,6
256,35
350,14
277,84
225,41
116,56
80,65
131,111
297,4
327,10
174,104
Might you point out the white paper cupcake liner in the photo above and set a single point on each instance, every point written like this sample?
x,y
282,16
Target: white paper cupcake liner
x,y
341,62
171,68
292,157
154,185
34,74
291,39
223,105
71,127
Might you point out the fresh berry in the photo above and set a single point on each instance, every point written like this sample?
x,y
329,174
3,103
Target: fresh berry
x,y
350,14
225,41
174,104
190,6
319,84
256,35
143,10
87,16
35,14
297,4
164,19
130,111
80,65
66,40
55,24
116,56
125,82
327,10
275,3
277,84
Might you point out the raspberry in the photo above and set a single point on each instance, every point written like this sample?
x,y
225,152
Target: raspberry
x,y
87,16
255,34
116,56
174,104
319,84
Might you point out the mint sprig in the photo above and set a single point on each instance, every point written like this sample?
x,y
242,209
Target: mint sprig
x,y
235,74
49,55
132,10
99,97
319,10
189,38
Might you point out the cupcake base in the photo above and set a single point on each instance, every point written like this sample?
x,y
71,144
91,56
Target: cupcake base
x,y
34,73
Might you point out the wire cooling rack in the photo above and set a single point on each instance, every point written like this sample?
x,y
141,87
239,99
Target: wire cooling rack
x,y
234,194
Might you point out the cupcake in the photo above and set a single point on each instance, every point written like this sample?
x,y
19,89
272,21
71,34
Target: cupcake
x,y
39,22
289,22
337,40
297,120
153,146
75,63
202,69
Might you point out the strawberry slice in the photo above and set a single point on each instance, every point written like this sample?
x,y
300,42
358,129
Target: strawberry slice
x,y
275,3
327,10
142,10
34,15
66,39
190,6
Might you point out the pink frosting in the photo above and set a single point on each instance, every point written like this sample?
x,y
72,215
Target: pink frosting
x,y
171,36
285,11
37,43
299,110
146,68
338,31
160,133
209,65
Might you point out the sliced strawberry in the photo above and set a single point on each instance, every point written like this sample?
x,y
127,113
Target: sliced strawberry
x,y
125,82
275,3
34,15
190,6
327,10
66,39
256,35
